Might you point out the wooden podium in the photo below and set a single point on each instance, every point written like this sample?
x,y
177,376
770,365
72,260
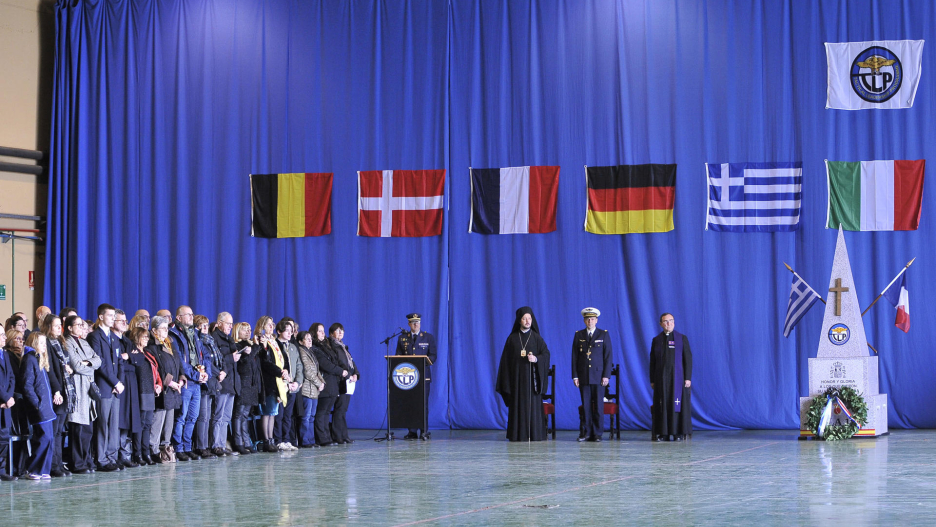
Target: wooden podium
x,y
408,391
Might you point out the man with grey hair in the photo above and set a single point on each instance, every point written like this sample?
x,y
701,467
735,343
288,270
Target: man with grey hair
x,y
230,384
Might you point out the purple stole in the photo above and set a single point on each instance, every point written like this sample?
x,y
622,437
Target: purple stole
x,y
674,340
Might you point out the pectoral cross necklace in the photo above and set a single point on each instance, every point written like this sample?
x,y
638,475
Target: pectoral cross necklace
x,y
523,351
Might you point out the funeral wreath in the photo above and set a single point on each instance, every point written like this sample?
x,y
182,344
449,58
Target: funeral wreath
x,y
838,400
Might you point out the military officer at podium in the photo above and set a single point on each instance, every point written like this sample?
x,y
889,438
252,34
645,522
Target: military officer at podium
x,y
591,371
417,342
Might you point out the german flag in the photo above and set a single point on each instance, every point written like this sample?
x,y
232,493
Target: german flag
x,y
290,205
628,199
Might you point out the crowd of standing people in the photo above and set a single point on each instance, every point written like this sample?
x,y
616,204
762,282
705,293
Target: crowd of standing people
x,y
127,393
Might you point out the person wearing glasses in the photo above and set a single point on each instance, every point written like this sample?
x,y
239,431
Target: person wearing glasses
x,y
230,383
83,362
196,371
169,401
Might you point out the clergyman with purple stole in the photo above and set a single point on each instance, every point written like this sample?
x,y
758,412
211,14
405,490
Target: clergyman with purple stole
x,y
671,382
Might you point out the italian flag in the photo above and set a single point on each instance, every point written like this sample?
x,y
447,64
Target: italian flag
x,y
875,195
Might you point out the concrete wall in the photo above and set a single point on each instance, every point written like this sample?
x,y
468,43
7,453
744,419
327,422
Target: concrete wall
x,y
27,42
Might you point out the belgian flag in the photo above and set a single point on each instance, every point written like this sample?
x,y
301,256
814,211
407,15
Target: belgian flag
x,y
290,205
627,199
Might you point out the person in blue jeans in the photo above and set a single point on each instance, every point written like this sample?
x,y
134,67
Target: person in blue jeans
x,y
195,374
312,384
33,383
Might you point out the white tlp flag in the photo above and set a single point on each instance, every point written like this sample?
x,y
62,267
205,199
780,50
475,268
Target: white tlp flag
x,y
878,74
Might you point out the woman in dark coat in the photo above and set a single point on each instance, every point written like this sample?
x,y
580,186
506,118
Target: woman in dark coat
x,y
339,416
333,373
170,398
274,367
33,383
63,389
247,395
149,382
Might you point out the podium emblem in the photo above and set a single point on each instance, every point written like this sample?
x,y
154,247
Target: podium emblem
x,y
838,334
405,376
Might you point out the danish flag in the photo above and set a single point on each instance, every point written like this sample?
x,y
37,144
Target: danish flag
x,y
400,202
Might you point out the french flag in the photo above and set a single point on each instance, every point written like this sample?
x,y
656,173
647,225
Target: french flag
x,y
514,200
900,298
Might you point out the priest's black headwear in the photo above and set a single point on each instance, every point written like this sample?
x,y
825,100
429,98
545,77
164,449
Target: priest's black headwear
x,y
523,311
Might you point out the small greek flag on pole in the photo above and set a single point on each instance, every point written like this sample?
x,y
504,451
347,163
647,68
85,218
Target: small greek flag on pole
x,y
802,297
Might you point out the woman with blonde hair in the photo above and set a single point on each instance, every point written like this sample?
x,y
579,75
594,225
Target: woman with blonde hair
x,y
273,379
139,321
248,392
33,383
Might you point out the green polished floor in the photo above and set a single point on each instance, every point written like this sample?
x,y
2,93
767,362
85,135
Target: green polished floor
x,y
471,477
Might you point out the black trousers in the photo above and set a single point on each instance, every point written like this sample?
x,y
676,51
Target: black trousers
x,y
285,421
322,411
428,385
58,437
339,418
593,407
79,439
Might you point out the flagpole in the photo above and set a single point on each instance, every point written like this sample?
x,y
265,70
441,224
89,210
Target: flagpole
x,y
804,281
888,287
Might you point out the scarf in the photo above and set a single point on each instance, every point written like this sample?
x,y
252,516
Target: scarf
x,y
157,380
278,360
194,358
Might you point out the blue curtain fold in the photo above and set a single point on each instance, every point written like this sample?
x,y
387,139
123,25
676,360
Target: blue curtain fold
x,y
162,109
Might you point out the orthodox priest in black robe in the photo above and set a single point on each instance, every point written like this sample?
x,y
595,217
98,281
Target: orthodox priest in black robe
x,y
671,381
521,379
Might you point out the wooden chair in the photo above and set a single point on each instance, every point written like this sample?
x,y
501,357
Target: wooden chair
x,y
549,408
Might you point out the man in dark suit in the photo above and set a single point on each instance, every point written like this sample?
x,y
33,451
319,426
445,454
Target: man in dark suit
x,y
591,371
107,426
418,342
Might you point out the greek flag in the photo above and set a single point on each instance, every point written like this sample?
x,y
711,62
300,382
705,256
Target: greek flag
x,y
754,197
802,297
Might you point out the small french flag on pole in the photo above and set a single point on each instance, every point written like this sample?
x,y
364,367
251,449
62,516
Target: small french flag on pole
x,y
900,298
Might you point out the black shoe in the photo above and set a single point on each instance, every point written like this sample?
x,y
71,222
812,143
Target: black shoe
x,y
219,452
242,450
182,456
57,474
582,439
410,436
679,438
129,464
659,439
7,477
348,441
110,467
66,472
268,446
155,459
597,439
193,455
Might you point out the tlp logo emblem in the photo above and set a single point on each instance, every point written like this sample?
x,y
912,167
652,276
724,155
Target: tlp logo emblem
x,y
838,334
405,376
876,74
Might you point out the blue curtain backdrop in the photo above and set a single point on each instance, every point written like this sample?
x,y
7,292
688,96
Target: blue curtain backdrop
x,y
162,109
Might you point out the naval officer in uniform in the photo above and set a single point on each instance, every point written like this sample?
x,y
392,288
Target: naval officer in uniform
x,y
417,342
591,371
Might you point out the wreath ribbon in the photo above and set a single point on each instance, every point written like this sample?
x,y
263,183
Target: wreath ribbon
x,y
831,401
